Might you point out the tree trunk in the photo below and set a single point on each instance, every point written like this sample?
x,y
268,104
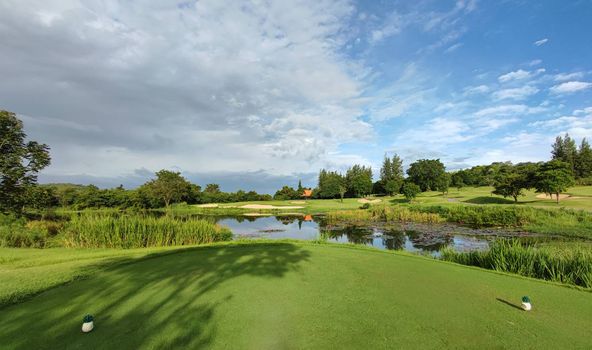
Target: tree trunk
x,y
557,194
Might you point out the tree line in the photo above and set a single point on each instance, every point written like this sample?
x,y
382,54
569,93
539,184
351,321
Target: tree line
x,y
21,161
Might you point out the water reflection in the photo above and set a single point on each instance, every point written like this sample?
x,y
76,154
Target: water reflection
x,y
411,237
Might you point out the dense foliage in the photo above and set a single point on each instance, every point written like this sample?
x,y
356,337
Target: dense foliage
x,y
571,266
137,231
20,161
428,174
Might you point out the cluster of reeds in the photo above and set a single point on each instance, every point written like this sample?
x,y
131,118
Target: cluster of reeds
x,y
383,213
570,266
135,231
551,221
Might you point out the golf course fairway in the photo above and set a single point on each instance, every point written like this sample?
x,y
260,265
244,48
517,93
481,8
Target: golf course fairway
x,y
299,295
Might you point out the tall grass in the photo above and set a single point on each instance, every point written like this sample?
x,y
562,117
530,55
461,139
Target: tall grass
x,y
135,231
566,222
18,233
570,266
383,213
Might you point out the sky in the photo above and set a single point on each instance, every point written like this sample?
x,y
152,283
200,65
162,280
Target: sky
x,y
259,94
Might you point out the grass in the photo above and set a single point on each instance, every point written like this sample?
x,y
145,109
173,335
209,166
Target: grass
x,y
288,295
25,272
571,266
135,231
383,213
468,195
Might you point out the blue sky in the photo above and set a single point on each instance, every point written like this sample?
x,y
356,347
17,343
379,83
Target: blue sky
x,y
259,94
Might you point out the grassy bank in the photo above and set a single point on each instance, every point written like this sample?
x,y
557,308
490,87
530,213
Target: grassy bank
x,y
282,295
383,213
123,231
572,223
108,229
570,266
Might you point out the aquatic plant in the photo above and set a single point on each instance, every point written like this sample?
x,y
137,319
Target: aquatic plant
x,y
570,266
383,213
134,231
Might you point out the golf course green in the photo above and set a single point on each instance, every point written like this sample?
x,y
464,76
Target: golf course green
x,y
298,295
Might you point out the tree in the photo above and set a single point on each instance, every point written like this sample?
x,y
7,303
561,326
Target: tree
x,y
359,180
286,193
342,191
554,177
169,186
443,183
391,171
426,173
410,190
564,149
212,188
583,164
330,183
457,180
20,162
300,189
393,186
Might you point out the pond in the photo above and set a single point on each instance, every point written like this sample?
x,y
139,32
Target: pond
x,y
412,237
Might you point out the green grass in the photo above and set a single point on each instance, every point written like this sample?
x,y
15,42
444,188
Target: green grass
x,y
383,213
135,231
467,195
559,264
288,295
25,272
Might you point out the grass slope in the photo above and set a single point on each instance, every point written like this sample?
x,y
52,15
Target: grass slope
x,y
287,295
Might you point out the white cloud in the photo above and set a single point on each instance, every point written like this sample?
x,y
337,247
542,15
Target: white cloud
x,y
508,110
535,62
481,89
453,48
570,87
578,126
541,42
516,75
205,87
568,76
515,93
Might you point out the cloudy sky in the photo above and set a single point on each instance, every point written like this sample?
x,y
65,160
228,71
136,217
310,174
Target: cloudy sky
x,y
256,94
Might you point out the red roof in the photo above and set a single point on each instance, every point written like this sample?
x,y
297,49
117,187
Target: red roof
x,y
307,193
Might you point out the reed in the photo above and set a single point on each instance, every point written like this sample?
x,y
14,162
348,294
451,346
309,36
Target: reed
x,y
565,222
135,231
383,213
571,266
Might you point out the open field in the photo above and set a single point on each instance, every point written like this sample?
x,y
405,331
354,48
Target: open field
x,y
283,295
582,199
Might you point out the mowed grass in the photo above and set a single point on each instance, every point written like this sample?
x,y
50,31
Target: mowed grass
x,y
297,295
582,199
26,271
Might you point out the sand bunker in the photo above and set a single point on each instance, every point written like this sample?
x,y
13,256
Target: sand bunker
x,y
211,205
364,200
561,196
298,202
267,206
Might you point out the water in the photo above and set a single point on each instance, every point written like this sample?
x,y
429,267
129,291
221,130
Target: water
x,y
418,238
